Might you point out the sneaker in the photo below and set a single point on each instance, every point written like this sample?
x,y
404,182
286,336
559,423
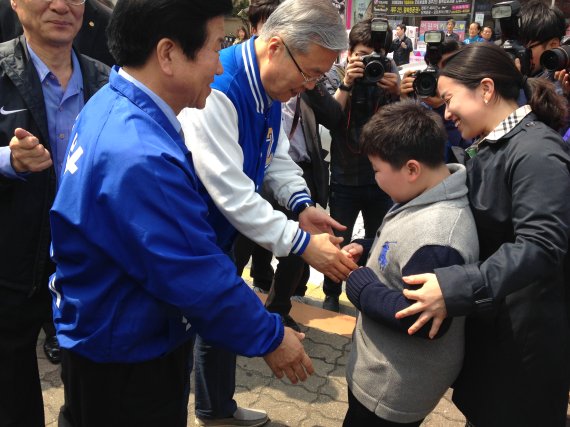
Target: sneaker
x,y
331,303
242,417
288,321
298,298
259,290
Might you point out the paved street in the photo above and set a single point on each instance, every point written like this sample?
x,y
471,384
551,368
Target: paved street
x,y
319,402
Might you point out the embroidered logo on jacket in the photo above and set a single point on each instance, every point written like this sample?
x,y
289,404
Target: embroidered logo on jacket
x,y
383,258
269,140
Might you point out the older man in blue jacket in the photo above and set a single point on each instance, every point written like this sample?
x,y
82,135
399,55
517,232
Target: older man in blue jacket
x,y
138,268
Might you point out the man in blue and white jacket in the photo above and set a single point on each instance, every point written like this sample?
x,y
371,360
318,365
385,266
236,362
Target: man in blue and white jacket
x,y
238,145
138,268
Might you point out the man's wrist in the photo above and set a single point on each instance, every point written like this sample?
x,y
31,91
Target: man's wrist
x,y
304,206
345,88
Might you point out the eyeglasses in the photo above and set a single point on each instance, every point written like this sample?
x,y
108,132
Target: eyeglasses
x,y
308,80
71,2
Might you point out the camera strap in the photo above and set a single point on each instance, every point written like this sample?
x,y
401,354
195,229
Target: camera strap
x,y
296,117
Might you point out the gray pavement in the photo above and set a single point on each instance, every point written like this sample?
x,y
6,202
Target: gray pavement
x,y
321,401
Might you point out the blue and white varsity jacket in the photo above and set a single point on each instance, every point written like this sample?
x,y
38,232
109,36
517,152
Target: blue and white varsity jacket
x,y
138,268
237,145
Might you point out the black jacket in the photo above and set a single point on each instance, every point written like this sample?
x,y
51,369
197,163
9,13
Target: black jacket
x,y
319,167
24,204
515,371
91,39
402,55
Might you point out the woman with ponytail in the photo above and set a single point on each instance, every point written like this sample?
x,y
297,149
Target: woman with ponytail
x,y
516,367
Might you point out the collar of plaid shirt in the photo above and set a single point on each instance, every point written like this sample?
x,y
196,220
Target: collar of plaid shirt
x,y
502,129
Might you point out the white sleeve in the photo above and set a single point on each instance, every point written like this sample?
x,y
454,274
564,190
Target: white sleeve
x,y
211,135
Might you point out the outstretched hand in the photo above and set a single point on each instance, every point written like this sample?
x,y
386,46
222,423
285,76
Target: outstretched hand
x,y
354,251
323,254
290,358
316,221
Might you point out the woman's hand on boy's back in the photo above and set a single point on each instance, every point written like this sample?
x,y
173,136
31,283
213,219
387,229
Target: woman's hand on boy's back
x,y
429,302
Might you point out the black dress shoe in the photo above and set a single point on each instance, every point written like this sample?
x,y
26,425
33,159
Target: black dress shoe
x,y
51,350
331,303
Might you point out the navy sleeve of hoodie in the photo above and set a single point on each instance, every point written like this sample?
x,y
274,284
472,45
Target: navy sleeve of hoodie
x,y
381,303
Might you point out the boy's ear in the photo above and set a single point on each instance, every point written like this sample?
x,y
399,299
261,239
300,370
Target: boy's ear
x,y
413,170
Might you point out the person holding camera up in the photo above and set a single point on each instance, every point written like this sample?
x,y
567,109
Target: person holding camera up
x,y
401,46
436,55
542,27
368,81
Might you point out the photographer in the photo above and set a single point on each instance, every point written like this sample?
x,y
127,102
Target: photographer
x,y
401,46
435,102
353,188
541,28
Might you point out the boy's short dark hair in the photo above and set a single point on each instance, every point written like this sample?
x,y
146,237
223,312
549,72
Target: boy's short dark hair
x,y
405,131
259,10
402,27
136,26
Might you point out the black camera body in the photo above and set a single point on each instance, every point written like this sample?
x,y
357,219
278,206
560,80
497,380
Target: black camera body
x,y
375,65
425,82
508,14
558,58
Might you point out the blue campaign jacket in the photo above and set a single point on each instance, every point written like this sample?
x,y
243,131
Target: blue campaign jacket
x,y
138,270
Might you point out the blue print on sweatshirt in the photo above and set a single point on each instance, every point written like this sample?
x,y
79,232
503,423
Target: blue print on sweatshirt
x,y
383,258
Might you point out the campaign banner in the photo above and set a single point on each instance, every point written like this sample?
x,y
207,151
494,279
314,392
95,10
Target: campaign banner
x,y
442,26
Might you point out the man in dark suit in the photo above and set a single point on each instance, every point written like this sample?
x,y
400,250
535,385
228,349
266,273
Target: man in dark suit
x,y
91,40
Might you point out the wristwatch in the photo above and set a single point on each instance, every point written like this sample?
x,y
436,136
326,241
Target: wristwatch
x,y
304,206
345,87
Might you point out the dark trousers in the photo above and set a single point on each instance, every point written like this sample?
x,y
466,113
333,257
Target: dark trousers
x,y
289,278
261,270
358,416
345,203
215,381
21,318
150,393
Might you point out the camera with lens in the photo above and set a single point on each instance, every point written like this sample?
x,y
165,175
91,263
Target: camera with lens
x,y
558,58
376,63
425,82
508,14
365,94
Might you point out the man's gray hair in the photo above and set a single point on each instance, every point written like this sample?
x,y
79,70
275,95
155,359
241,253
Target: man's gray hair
x,y
304,22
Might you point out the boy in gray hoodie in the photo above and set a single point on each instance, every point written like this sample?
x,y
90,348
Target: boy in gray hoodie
x,y
394,378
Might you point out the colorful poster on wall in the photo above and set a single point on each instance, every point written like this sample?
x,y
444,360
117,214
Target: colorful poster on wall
x,y
441,26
